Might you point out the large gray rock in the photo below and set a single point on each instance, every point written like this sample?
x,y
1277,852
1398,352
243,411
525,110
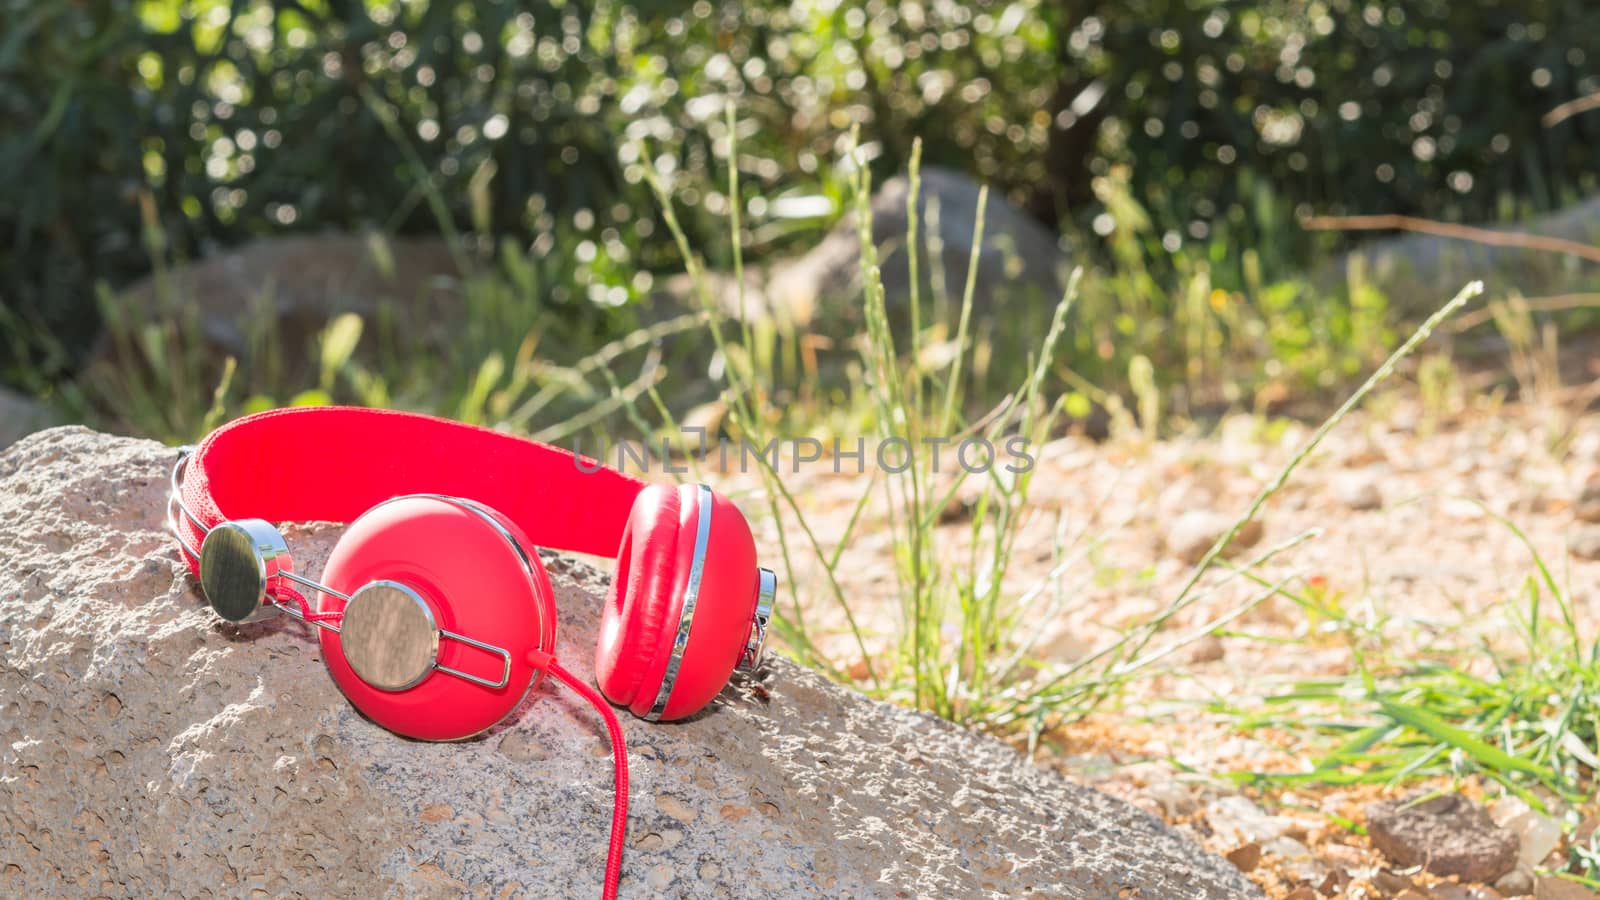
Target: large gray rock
x,y
296,283
21,416
1020,262
1418,272
147,749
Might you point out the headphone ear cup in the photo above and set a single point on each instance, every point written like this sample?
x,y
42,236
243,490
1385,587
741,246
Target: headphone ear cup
x,y
641,618
724,613
470,565
642,592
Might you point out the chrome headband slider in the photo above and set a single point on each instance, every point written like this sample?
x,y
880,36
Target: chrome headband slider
x,y
755,647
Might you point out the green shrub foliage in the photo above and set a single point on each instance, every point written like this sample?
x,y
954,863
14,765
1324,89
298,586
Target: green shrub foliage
x,y
176,126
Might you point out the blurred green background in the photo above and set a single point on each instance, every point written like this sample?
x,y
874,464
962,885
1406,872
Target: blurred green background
x,y
254,117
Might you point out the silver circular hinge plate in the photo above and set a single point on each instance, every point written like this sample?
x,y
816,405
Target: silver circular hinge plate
x,y
389,636
239,561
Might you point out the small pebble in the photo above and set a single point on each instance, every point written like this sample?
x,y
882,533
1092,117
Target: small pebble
x,y
1587,509
1294,858
1585,542
1175,799
1516,882
1358,491
1246,858
1193,533
1538,833
1207,649
1392,882
1338,879
1448,834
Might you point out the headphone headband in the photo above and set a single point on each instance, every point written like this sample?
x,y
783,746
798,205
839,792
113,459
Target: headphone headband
x,y
333,463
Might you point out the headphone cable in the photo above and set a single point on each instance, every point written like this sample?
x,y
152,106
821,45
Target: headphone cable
x,y
619,754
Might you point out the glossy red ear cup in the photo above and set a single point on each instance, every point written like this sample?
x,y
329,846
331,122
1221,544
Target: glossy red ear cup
x,y
722,614
660,530
641,617
474,582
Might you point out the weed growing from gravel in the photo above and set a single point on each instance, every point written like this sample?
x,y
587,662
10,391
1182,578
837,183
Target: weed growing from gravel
x,y
1530,721
1522,712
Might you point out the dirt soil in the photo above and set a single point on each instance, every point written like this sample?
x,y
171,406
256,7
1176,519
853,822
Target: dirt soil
x,y
1404,497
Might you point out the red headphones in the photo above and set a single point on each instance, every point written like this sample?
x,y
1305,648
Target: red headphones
x,y
434,613
437,575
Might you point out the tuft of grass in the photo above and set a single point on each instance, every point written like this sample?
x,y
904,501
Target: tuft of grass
x,y
1519,710
1522,713
961,647
953,615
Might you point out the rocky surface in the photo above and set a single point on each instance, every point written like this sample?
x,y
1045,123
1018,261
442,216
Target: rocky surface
x,y
146,748
1446,835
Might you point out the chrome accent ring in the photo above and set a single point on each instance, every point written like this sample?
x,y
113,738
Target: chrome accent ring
x,y
691,595
180,470
175,503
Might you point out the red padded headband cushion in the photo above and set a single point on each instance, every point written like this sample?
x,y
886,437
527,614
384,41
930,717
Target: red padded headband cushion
x,y
331,464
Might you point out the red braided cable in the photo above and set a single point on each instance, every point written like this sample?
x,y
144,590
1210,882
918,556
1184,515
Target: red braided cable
x,y
619,755
283,590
